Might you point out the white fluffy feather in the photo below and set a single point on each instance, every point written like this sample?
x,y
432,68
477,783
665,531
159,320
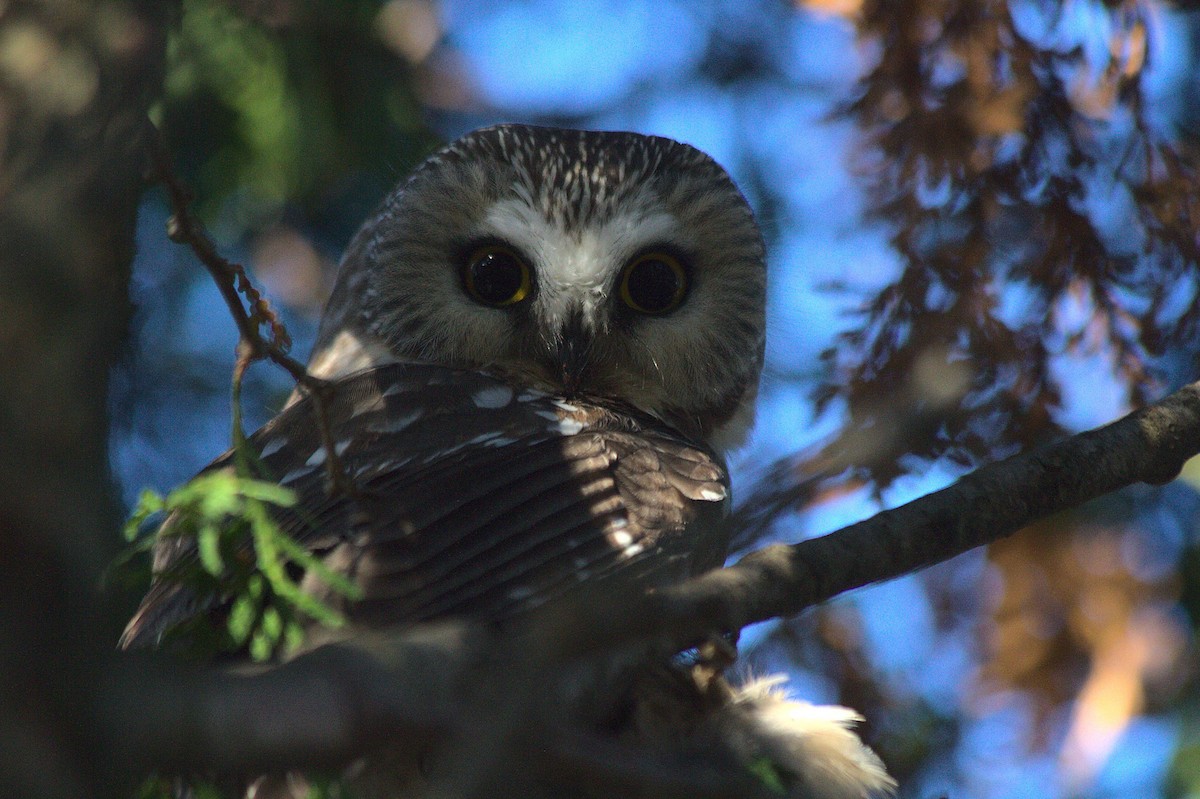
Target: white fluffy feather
x,y
813,746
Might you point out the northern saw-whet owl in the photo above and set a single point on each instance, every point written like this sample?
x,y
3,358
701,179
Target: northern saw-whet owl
x,y
542,342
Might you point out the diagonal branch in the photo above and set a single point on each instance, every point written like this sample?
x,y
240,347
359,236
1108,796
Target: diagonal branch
x,y
231,279
1149,445
334,702
233,282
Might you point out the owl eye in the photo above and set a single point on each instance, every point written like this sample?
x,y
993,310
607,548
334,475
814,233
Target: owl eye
x,y
496,276
654,283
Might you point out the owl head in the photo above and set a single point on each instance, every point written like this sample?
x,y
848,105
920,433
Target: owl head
x,y
621,267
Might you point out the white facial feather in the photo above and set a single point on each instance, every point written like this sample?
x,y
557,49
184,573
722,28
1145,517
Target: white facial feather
x,y
578,268
577,206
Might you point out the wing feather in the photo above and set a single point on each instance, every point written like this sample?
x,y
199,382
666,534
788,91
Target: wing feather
x,y
472,498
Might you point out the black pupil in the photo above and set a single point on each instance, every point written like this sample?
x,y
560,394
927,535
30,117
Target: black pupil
x,y
653,285
497,277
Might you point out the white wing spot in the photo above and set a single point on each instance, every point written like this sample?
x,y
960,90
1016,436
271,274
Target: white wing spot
x,y
373,404
495,438
712,495
296,474
493,397
342,446
566,406
531,394
569,427
382,467
484,438
620,538
272,446
317,458
394,424
520,593
633,550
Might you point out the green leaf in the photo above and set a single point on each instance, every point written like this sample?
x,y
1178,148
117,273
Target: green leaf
x,y
324,787
149,503
272,493
205,790
228,516
221,495
261,647
338,582
208,544
192,492
272,624
293,636
155,788
241,618
268,541
767,773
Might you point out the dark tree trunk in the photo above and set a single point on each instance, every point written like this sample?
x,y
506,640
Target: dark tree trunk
x,y
76,80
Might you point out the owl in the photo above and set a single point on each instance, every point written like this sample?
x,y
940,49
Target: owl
x,y
541,345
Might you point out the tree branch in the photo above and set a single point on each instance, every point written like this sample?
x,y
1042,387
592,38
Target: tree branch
x,y
317,711
431,684
1149,445
338,700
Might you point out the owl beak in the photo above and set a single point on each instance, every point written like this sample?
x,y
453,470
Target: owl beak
x,y
574,353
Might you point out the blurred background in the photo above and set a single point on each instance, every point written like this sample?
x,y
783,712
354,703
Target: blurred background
x,y
982,228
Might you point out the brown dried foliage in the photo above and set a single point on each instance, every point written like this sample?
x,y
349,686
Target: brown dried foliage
x,y
984,147
987,147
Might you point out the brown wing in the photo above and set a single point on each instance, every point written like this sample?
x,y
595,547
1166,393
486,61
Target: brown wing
x,y
474,498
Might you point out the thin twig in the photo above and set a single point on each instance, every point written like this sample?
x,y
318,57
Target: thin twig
x,y
233,283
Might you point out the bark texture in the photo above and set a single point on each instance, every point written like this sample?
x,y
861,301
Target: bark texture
x,y
76,80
